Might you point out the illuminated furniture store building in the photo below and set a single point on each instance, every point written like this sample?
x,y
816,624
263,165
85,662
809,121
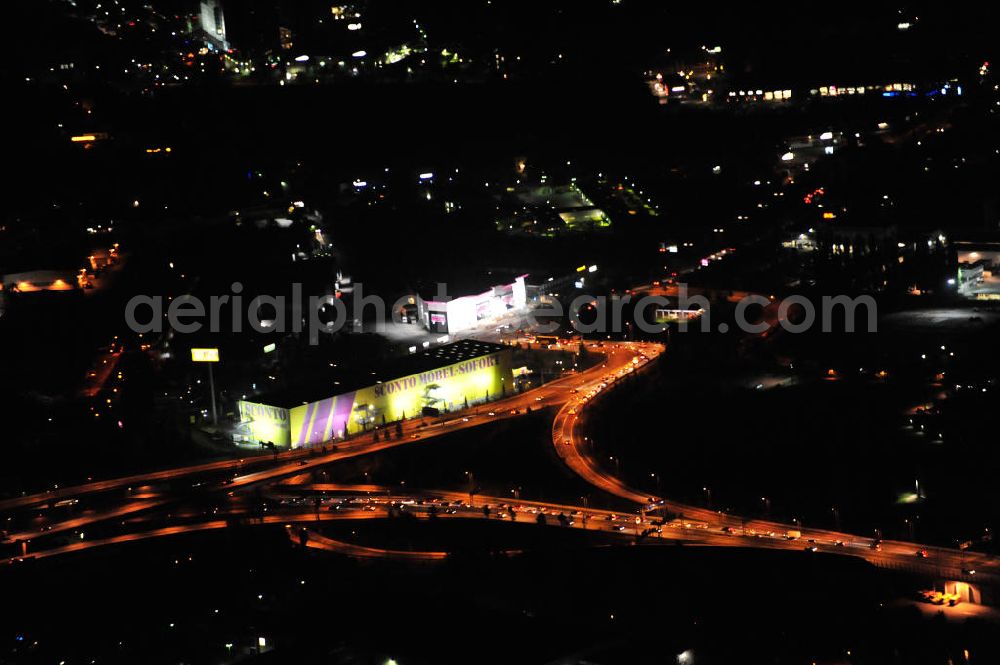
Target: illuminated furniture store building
x,y
442,379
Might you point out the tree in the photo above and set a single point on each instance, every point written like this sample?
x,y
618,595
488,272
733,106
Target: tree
x,y
399,429
430,401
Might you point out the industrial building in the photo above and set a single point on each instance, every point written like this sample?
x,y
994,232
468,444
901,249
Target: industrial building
x,y
457,315
549,211
970,253
213,24
39,280
434,381
978,257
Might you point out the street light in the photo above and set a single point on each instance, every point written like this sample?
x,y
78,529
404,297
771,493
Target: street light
x,y
472,486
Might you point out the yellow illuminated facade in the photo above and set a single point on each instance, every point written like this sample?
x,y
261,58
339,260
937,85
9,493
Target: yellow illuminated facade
x,y
261,423
448,388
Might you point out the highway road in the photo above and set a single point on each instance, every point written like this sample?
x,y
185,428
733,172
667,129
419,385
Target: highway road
x,y
573,394
369,502
294,462
86,519
300,460
321,542
718,530
423,505
571,445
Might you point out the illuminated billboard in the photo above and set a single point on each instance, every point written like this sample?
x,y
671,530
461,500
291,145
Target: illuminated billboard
x,y
205,355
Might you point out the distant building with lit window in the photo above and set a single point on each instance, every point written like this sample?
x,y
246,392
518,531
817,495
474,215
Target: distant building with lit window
x,y
39,280
213,24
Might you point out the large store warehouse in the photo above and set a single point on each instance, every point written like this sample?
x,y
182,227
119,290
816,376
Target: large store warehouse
x,y
468,311
444,379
